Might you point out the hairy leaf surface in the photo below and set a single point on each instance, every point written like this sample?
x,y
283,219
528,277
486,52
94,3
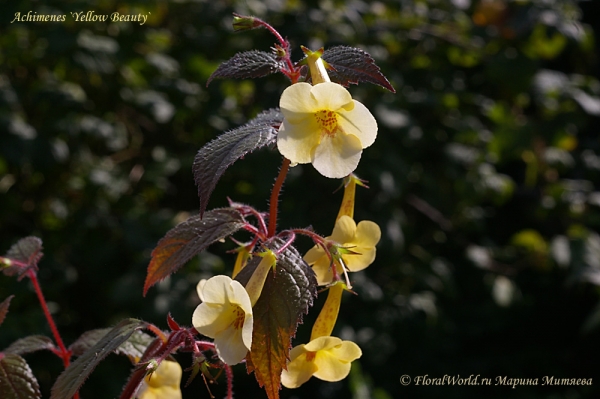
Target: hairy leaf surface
x,y
215,157
286,297
188,239
248,64
134,347
30,344
16,379
353,65
27,250
75,375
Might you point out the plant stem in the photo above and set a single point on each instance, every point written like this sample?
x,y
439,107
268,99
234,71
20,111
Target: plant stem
x,y
275,196
64,354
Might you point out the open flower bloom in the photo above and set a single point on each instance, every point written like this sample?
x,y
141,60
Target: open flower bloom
x,y
225,314
359,239
324,126
327,358
163,383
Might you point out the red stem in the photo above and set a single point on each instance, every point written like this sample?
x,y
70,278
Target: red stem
x,y
64,353
275,196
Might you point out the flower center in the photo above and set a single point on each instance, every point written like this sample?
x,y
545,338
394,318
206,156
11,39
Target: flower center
x,y
238,318
328,122
310,356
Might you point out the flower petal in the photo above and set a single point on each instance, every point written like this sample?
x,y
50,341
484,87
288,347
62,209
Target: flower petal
x,y
210,319
199,288
338,156
231,348
334,363
297,142
314,254
359,122
322,343
367,234
344,230
299,370
360,260
217,289
296,102
332,96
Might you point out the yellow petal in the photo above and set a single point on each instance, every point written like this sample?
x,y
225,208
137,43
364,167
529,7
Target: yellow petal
x,y
299,370
199,288
296,102
322,343
322,269
337,156
163,383
368,234
344,230
314,254
233,344
334,364
209,319
332,96
360,260
297,142
359,122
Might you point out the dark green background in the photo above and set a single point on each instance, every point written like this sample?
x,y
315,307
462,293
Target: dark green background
x,y
484,180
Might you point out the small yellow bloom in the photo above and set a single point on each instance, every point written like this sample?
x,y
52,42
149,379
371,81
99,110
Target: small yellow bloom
x,y
359,239
327,358
225,314
324,126
163,383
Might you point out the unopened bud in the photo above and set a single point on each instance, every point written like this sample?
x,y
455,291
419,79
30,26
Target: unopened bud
x,y
242,22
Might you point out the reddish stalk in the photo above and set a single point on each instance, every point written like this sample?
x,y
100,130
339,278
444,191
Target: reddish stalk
x,y
274,202
64,353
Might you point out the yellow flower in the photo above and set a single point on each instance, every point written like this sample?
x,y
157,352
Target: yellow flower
x,y
225,314
327,358
163,383
324,126
359,239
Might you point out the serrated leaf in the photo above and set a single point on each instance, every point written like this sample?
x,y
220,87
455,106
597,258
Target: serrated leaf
x,y
188,239
286,297
4,308
215,157
134,347
16,379
248,64
69,382
353,65
30,344
27,250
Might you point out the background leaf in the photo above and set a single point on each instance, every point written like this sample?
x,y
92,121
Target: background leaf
x,y
4,308
16,379
30,344
353,65
286,297
134,347
27,250
189,238
248,64
215,157
75,375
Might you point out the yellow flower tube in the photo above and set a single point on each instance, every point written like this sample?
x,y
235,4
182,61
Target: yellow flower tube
x,y
326,321
257,281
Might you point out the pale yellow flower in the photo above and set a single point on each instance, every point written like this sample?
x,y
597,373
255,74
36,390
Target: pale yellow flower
x,y
324,126
327,358
359,239
163,383
225,314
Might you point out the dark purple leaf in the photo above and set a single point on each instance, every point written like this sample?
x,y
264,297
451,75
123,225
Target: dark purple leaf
x,y
30,344
249,64
16,379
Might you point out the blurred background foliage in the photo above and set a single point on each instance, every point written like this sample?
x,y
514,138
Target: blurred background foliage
x,y
484,179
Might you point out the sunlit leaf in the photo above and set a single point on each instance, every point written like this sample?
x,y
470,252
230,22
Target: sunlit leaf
x,y
27,250
286,297
69,382
248,64
188,239
353,65
16,379
215,157
29,344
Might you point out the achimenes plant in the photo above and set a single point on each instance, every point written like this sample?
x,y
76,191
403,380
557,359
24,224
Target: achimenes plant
x,y
252,316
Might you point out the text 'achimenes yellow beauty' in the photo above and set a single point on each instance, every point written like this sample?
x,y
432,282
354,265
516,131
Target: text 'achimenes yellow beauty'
x,y
324,126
